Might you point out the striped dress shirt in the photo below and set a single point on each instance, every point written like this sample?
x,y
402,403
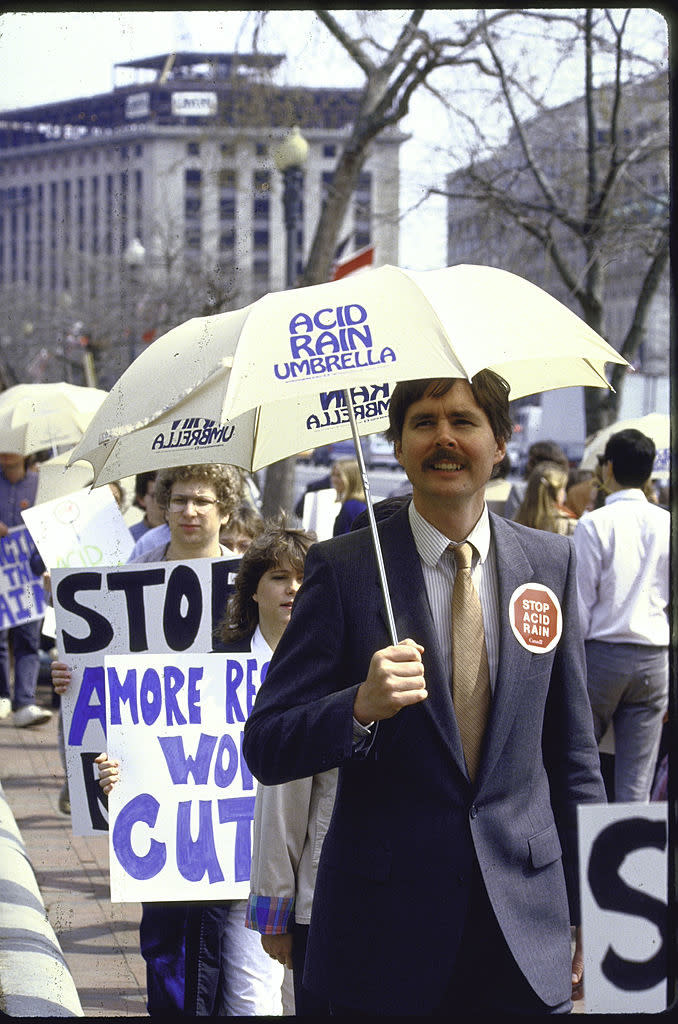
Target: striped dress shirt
x,y
438,567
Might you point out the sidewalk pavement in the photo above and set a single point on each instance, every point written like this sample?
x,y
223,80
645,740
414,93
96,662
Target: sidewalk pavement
x,y
99,939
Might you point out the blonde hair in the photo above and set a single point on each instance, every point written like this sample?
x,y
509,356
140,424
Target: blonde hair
x,y
349,471
539,508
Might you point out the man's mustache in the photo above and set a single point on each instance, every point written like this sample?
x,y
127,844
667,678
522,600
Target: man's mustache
x,y
446,454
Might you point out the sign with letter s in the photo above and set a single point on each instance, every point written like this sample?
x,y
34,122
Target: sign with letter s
x,y
623,856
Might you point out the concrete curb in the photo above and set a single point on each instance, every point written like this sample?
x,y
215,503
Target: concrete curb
x,y
34,978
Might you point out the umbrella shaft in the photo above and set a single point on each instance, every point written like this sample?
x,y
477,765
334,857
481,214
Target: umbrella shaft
x,y
371,517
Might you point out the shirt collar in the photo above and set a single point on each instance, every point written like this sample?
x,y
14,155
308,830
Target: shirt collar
x,y
431,543
260,646
628,494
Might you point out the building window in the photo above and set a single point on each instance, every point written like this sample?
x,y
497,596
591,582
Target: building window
x,y
193,148
261,149
227,208
227,240
262,181
362,210
329,150
261,208
261,273
108,243
326,179
123,209
193,238
138,200
192,208
261,211
261,238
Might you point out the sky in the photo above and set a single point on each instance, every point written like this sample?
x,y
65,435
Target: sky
x,y
47,56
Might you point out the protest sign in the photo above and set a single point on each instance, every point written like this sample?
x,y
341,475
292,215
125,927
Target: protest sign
x,y
181,812
138,608
623,856
22,598
85,528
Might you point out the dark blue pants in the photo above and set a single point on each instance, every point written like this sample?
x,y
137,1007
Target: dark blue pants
x,y
25,640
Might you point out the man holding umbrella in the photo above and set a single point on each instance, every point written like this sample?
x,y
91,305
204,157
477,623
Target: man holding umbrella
x,y
448,878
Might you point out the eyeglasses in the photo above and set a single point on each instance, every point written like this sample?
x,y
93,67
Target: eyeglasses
x,y
181,501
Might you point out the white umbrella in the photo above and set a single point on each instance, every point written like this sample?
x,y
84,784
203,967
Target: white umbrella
x,y
367,332
656,425
56,478
308,366
34,417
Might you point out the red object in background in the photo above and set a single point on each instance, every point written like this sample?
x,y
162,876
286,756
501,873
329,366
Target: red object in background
x,y
360,259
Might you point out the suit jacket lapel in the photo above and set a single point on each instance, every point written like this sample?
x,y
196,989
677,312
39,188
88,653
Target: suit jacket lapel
x,y
513,569
413,619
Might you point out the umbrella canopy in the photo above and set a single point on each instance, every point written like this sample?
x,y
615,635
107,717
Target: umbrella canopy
x,y
308,366
34,417
258,384
656,425
390,324
56,478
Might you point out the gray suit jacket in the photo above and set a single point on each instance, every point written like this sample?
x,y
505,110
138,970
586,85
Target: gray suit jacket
x,y
392,894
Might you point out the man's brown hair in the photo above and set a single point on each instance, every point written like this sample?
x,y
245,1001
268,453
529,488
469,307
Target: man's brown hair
x,y
490,391
225,480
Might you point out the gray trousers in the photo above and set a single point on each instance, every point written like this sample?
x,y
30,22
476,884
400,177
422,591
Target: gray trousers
x,y
628,685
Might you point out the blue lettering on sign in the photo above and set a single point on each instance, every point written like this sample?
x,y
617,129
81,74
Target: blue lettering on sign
x,y
239,809
235,676
226,761
93,686
141,808
123,692
181,765
194,857
153,694
197,856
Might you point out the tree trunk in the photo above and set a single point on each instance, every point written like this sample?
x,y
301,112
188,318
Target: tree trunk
x,y
278,496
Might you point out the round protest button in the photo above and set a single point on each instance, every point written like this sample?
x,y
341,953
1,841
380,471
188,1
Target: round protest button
x,y
536,617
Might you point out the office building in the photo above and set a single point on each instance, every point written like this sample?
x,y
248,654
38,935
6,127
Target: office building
x,y
124,213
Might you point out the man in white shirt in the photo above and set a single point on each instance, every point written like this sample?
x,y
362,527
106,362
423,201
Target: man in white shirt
x,y
623,584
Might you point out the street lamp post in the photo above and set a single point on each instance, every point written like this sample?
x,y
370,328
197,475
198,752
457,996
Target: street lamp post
x,y
289,158
134,257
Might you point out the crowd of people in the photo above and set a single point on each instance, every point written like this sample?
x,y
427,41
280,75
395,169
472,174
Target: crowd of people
x,y
415,814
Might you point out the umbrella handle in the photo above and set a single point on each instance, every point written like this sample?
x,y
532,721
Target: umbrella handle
x,y
373,522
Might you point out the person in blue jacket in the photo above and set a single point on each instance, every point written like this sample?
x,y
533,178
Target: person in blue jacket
x,y
345,478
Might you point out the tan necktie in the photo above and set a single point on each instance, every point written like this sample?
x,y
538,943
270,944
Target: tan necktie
x,y
470,673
